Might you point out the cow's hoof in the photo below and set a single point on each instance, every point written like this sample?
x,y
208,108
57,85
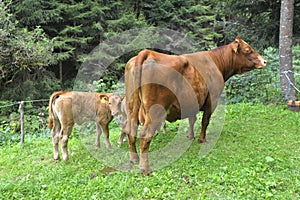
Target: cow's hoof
x,y
134,161
57,158
108,146
134,158
146,172
202,141
190,137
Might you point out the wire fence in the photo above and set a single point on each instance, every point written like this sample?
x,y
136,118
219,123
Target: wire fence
x,y
13,125
20,110
18,102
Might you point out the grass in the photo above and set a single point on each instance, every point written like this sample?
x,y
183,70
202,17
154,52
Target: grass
x,y
257,156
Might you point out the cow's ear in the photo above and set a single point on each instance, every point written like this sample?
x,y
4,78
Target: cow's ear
x,y
103,98
236,44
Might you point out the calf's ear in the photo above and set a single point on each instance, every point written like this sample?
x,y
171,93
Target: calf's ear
x,y
103,98
122,96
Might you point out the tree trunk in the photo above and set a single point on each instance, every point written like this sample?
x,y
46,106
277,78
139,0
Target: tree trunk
x,y
285,49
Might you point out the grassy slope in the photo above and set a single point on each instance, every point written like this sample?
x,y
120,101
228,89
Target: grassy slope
x,y
257,156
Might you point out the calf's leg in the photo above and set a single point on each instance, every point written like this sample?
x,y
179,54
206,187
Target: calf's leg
x,y
123,124
106,135
164,127
55,133
122,137
64,137
98,134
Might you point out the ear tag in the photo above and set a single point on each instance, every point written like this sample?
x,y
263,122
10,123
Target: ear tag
x,y
103,100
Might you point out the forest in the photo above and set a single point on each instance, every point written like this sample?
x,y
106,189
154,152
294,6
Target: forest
x,y
44,43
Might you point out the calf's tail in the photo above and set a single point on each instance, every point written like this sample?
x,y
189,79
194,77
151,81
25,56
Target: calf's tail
x,y
54,96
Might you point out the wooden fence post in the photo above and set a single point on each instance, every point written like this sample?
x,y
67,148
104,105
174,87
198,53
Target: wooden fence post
x,y
21,107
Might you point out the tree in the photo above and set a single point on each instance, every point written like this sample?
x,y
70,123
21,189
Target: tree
x,y
23,53
198,19
285,49
256,21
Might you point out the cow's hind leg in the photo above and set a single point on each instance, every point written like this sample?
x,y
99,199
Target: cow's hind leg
x,y
146,135
64,137
153,121
205,121
55,138
132,125
191,134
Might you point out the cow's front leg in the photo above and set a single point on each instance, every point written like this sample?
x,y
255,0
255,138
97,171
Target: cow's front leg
x,y
55,138
106,135
191,134
98,134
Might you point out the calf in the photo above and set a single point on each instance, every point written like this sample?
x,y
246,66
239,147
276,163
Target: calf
x,y
117,105
67,108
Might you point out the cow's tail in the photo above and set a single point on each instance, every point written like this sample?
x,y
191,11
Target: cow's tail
x,y
54,96
141,57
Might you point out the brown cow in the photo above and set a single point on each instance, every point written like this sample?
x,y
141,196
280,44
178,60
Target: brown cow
x,y
67,108
174,87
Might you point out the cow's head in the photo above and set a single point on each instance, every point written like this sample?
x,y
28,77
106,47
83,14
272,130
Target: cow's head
x,y
114,103
246,57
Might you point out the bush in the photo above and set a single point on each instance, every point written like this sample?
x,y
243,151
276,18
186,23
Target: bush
x,y
38,86
35,122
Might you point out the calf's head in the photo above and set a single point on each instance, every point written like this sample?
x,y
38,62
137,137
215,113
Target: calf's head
x,y
246,58
114,103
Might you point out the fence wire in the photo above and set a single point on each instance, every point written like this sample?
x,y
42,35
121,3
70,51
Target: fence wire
x,y
286,74
28,101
